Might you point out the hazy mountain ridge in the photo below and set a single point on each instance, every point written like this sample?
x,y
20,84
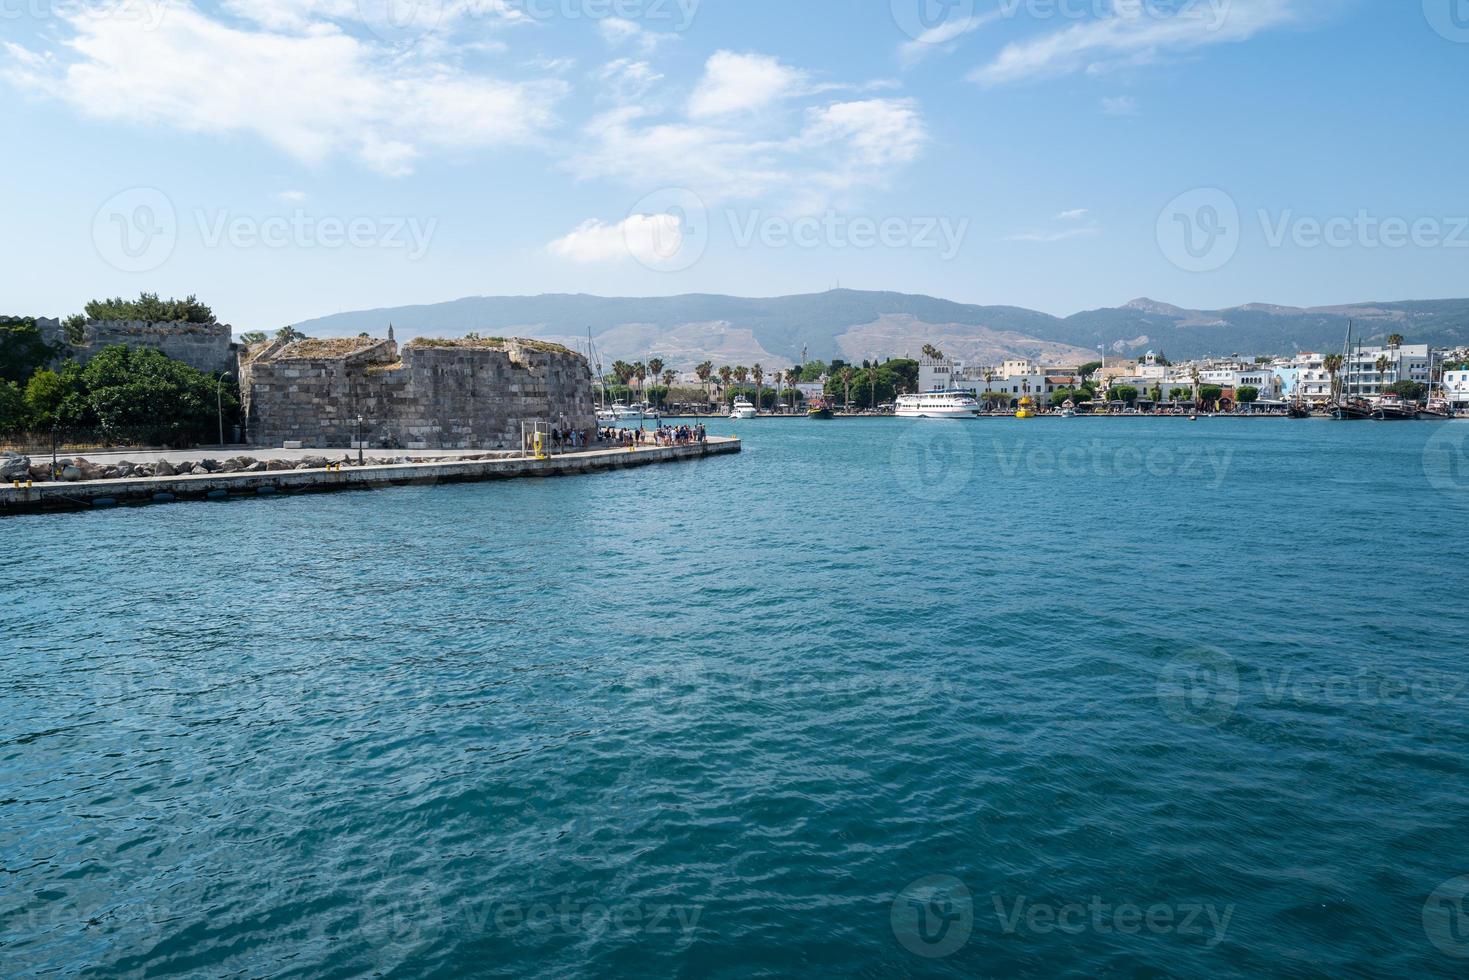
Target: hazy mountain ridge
x,y
855,324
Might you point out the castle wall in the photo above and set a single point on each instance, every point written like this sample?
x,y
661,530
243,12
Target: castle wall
x,y
434,396
207,347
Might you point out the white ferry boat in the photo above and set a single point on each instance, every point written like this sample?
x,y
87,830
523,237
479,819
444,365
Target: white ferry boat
x,y
938,405
743,409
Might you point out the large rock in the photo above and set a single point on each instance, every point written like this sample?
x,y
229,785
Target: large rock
x,y
255,467
70,474
13,466
276,465
313,463
164,468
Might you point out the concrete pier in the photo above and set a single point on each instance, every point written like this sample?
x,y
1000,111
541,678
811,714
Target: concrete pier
x,y
223,486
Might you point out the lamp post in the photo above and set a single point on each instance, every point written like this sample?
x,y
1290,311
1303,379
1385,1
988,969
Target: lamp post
x,y
219,405
359,441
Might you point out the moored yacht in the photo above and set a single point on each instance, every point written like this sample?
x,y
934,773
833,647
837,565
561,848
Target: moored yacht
x,y
743,409
953,404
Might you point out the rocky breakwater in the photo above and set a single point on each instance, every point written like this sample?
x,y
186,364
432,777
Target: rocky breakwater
x,y
75,469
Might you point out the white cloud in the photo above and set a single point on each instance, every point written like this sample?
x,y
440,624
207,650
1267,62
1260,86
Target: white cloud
x,y
734,83
292,197
1121,105
625,80
644,237
1074,215
313,95
1046,237
618,31
942,38
833,149
1133,35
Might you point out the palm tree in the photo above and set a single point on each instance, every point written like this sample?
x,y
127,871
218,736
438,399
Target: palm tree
x,y
1332,363
1382,364
758,373
725,374
655,367
932,353
793,378
669,377
623,371
1395,340
640,371
741,374
705,371
847,375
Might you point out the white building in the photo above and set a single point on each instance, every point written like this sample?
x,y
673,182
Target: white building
x,y
1015,377
1363,374
1456,388
1304,377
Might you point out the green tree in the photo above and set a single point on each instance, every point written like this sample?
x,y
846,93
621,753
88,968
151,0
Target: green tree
x,y
1210,395
55,398
655,368
23,350
705,372
75,327
143,392
1413,391
1247,395
726,374
149,307
932,353
814,371
758,373
1124,393
1177,394
290,334
13,413
1090,368
253,337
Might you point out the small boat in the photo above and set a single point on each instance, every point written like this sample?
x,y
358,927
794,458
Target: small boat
x,y
1298,410
953,404
1352,410
1391,408
1437,409
1026,410
820,408
743,408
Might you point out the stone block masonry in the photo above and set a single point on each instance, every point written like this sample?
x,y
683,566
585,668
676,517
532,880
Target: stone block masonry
x,y
433,394
207,347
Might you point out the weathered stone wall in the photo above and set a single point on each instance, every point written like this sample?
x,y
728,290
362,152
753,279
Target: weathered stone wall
x,y
434,395
205,346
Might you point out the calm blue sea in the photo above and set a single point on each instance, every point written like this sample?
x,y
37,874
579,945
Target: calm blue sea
x,y
1075,698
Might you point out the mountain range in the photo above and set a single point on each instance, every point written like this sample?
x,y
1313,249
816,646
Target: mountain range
x,y
854,325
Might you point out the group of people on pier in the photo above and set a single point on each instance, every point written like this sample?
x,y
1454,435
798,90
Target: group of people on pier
x,y
664,435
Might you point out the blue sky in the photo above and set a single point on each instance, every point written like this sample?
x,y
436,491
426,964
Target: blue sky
x,y
285,159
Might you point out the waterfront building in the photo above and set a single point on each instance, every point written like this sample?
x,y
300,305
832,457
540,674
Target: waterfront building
x,y
1364,373
1304,377
1456,388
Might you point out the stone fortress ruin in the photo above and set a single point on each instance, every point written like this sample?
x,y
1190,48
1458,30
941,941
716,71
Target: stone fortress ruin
x,y
208,347
430,394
